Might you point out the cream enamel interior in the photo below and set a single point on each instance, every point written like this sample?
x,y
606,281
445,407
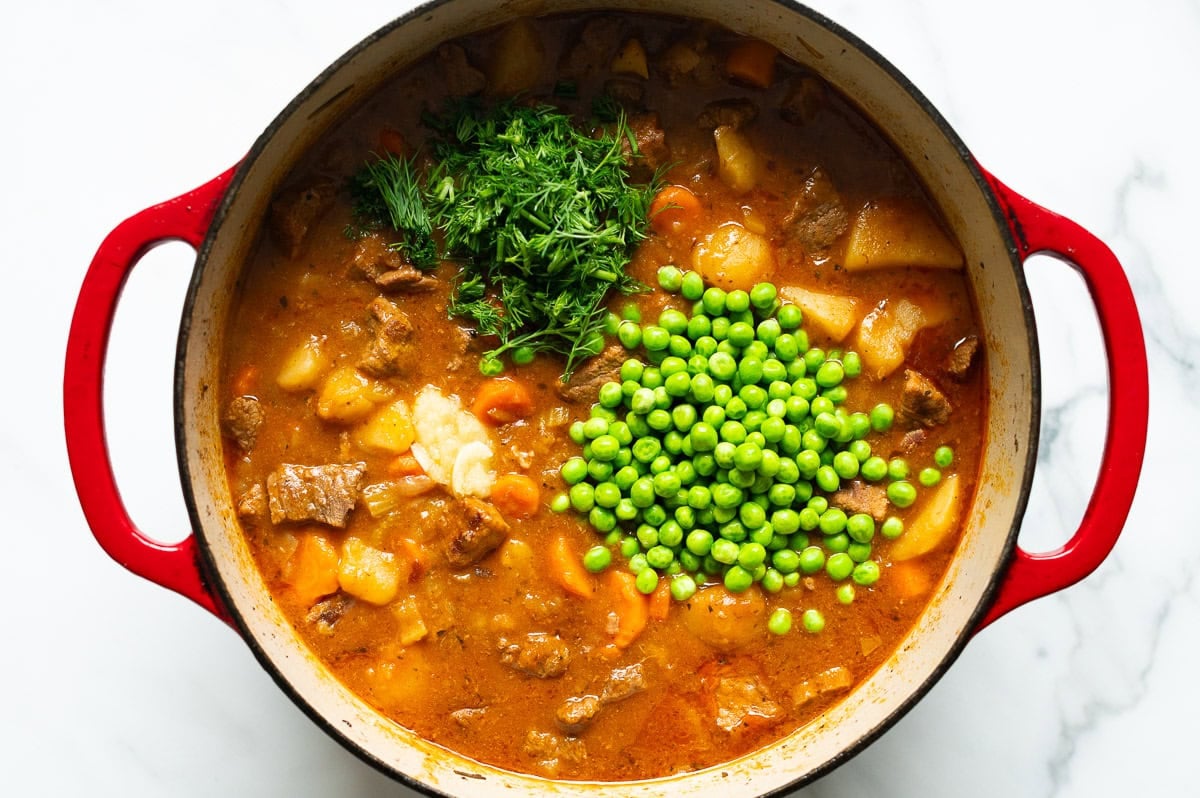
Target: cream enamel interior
x,y
995,277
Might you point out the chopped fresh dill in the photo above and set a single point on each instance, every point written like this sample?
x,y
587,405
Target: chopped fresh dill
x,y
539,214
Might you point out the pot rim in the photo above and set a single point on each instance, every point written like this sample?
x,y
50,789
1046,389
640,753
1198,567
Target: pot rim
x,y
206,561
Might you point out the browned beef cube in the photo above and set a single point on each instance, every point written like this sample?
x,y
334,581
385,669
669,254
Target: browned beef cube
x,y
537,654
959,361
586,381
325,493
922,403
253,502
859,497
577,712
818,217
485,529
391,349
742,699
735,113
651,140
242,420
296,210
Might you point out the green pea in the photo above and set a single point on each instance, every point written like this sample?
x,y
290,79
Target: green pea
x,y
705,345
683,587
691,286
659,420
827,479
901,493
805,388
610,394
845,593
929,477
752,515
839,566
699,542
720,330
897,468
654,515
670,278
873,469
594,427
673,321
780,622
740,334
655,338
738,579
646,581
751,555
892,528
641,492
560,503
660,556
789,316
491,366
606,495
813,621
845,464
575,432
852,364
724,551
625,510
605,448
722,366
574,470
811,559
866,573
714,301
768,331
753,395
750,370
678,384
737,301
747,457
830,374
597,558
602,519
679,346
524,355
943,456
629,333
762,296
833,521
785,521
882,417
652,377
860,527
582,497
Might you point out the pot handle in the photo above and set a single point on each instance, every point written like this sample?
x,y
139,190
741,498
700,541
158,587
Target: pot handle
x,y
1037,230
174,566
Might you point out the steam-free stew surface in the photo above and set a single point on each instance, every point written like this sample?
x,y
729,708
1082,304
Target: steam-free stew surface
x,y
451,614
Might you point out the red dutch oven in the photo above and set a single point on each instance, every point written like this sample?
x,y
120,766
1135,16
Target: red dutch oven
x,y
990,575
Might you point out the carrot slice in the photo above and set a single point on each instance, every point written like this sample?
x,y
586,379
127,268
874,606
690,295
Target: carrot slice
x,y
392,142
674,209
660,601
516,495
312,571
569,570
633,609
502,401
752,62
404,465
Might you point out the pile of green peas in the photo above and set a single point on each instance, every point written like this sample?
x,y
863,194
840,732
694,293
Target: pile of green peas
x,y
713,458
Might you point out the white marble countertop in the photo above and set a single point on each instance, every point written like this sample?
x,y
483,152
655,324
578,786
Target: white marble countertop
x,y
114,686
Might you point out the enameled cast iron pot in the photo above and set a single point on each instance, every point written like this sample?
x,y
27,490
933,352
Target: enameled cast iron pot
x,y
991,575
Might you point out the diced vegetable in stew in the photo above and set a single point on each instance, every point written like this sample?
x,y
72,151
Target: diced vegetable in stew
x,y
604,397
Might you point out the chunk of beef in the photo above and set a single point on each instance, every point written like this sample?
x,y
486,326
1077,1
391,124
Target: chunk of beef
x,y
735,113
384,266
626,91
959,361
462,79
484,530
818,217
253,502
742,700
804,99
651,141
391,349
550,750
586,381
325,493
594,52
834,680
911,440
468,717
295,211
537,654
922,403
242,420
324,615
577,712
859,497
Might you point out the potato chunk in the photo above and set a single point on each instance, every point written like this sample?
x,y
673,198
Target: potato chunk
x,y
832,315
347,396
304,367
518,58
738,163
733,257
631,60
367,573
933,524
724,620
888,331
897,232
389,430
